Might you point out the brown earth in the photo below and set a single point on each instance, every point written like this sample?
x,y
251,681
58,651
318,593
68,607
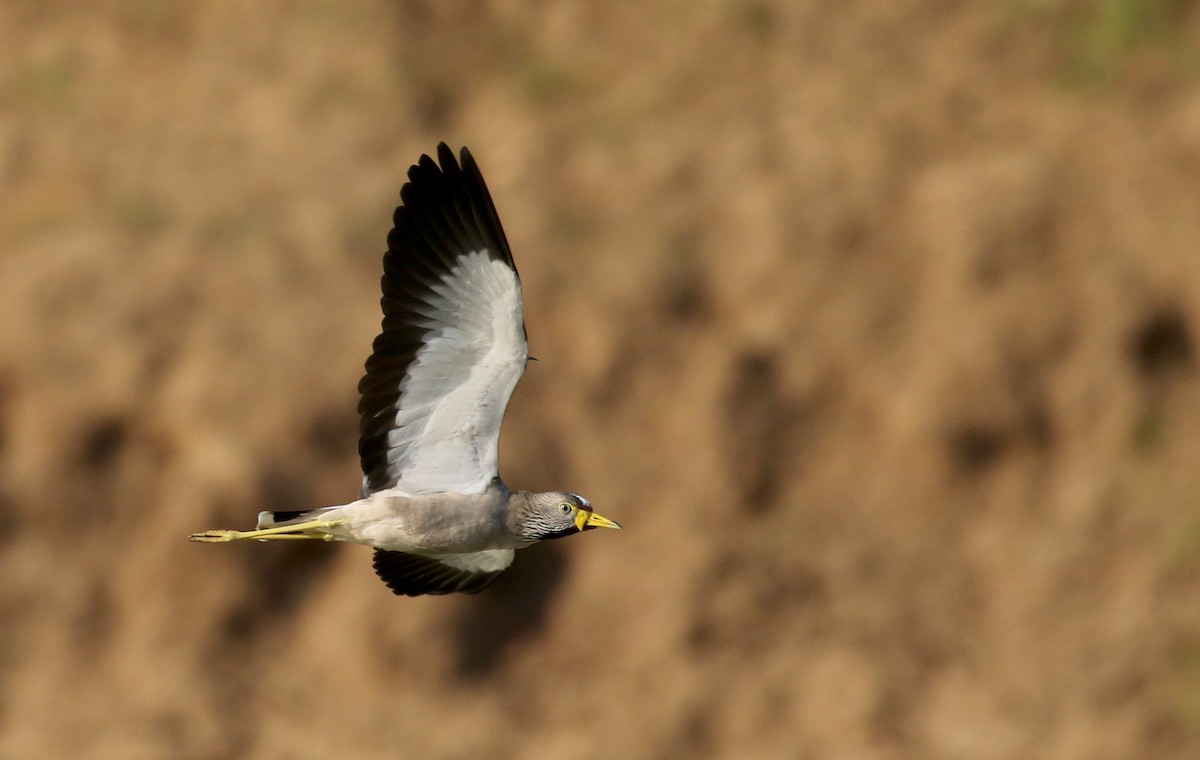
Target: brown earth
x,y
874,322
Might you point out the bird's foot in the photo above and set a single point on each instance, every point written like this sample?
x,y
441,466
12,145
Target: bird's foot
x,y
215,536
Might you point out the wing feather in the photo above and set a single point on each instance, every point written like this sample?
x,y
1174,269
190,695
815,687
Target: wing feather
x,y
452,346
416,574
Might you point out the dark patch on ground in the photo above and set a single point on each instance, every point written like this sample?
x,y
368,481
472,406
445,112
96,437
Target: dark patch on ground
x,y
283,488
687,297
976,445
1162,345
9,519
975,448
738,601
764,424
333,433
277,577
96,621
511,610
5,394
102,443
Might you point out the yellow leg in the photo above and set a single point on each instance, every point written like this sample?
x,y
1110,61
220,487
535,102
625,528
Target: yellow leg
x,y
312,529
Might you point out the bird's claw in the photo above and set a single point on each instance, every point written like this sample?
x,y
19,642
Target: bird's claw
x,y
213,536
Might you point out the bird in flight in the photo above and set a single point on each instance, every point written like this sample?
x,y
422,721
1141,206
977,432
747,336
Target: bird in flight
x,y
438,380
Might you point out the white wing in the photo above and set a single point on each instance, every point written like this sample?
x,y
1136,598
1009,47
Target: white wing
x,y
453,342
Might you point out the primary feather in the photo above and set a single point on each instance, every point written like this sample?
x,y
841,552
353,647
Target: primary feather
x,y
453,342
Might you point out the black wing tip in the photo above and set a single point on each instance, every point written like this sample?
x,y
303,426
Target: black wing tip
x,y
446,162
447,159
447,201
446,167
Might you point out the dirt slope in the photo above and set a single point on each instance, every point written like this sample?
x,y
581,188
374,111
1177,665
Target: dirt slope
x,y
874,322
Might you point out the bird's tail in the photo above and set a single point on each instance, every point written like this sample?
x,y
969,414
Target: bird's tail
x,y
273,519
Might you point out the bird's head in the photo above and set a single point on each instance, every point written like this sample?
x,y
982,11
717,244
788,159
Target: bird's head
x,y
555,514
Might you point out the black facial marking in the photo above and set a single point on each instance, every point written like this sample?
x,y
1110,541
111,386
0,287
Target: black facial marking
x,y
559,533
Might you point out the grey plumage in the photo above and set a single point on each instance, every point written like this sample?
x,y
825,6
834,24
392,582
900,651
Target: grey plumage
x,y
451,351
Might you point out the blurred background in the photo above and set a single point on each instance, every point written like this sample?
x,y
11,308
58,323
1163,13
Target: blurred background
x,y
874,322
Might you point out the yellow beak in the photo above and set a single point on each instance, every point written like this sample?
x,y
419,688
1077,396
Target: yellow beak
x,y
585,519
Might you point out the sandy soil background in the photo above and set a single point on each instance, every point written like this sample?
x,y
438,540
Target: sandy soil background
x,y
875,323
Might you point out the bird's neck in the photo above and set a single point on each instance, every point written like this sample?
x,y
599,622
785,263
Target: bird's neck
x,y
520,511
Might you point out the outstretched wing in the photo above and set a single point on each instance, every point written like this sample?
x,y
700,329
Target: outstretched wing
x,y
453,342
415,574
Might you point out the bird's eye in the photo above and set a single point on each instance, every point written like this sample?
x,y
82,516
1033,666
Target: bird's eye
x,y
565,508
